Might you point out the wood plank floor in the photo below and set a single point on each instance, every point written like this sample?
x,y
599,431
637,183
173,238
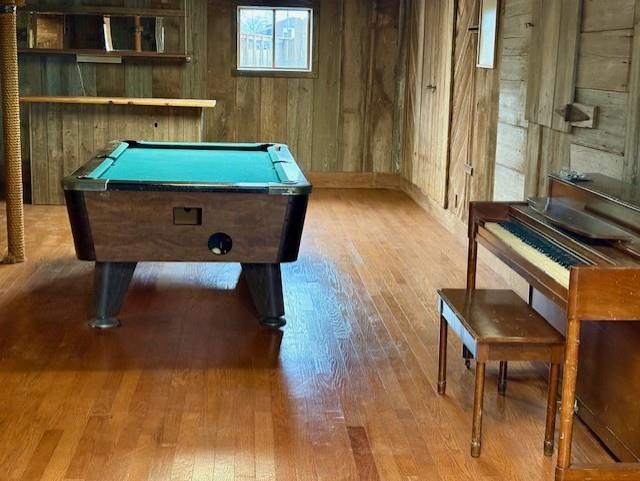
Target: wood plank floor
x,y
191,388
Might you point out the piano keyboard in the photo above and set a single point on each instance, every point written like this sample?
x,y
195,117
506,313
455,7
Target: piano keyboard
x,y
544,254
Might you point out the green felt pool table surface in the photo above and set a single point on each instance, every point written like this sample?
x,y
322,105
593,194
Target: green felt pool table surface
x,y
219,163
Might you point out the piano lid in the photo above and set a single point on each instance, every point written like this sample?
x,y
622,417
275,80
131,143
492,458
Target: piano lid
x,y
608,188
566,215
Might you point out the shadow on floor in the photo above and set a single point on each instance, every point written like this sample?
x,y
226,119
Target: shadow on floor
x,y
173,317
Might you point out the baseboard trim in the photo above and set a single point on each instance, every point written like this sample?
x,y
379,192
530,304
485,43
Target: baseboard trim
x,y
354,180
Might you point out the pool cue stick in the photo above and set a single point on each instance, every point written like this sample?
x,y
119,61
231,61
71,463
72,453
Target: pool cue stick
x,y
11,130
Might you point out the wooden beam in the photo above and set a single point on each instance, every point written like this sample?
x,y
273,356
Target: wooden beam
x,y
154,102
543,61
567,62
109,10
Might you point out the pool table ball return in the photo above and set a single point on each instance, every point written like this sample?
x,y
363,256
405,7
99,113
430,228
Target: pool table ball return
x,y
187,202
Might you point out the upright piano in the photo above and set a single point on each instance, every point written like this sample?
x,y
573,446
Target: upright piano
x,y
579,250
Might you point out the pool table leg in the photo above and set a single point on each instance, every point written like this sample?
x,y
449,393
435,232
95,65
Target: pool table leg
x,y
110,284
265,285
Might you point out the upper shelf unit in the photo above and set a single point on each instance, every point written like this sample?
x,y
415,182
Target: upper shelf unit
x,y
104,33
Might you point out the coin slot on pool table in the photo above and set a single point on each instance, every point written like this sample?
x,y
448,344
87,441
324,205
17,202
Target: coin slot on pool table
x,y
187,216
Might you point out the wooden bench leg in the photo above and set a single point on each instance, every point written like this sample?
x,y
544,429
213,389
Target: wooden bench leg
x,y
476,430
502,378
442,357
554,374
467,356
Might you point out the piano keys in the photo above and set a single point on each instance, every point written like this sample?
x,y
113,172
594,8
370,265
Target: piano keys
x,y
552,258
579,248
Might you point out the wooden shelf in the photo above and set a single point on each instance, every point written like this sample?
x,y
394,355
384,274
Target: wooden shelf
x,y
110,11
149,102
125,54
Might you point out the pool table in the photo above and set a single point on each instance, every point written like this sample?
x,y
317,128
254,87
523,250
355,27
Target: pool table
x,y
191,202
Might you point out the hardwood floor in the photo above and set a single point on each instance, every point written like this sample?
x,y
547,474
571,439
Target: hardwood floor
x,y
191,387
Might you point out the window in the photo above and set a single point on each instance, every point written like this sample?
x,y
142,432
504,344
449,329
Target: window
x,y
274,39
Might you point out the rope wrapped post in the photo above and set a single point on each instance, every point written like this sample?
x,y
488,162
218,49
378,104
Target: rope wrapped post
x,y
11,129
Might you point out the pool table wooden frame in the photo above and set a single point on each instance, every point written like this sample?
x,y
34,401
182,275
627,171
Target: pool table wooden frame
x,y
120,223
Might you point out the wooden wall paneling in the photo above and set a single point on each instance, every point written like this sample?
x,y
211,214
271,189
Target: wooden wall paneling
x,y
86,131
52,74
444,81
53,159
117,120
519,24
604,60
543,60
586,159
355,64
431,162
511,160
138,80
192,121
221,84
161,119
382,86
515,8
246,112
38,141
484,145
485,124
347,111
511,148
509,184
515,46
176,125
167,80
532,161
72,79
194,73
632,141
87,78
413,91
463,105
513,67
611,128
428,87
428,94
607,15
513,94
401,85
535,62
71,158
326,108
110,80
101,126
273,110
566,71
555,154
300,120
31,83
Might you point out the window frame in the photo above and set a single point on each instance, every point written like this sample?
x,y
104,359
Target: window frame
x,y
312,5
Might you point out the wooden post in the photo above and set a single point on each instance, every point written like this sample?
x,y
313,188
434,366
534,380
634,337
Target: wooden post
x,y
11,131
137,33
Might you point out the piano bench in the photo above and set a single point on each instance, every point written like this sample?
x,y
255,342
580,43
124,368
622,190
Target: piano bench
x,y
497,325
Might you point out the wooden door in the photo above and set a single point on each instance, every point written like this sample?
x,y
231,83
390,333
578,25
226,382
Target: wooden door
x,y
463,106
429,96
